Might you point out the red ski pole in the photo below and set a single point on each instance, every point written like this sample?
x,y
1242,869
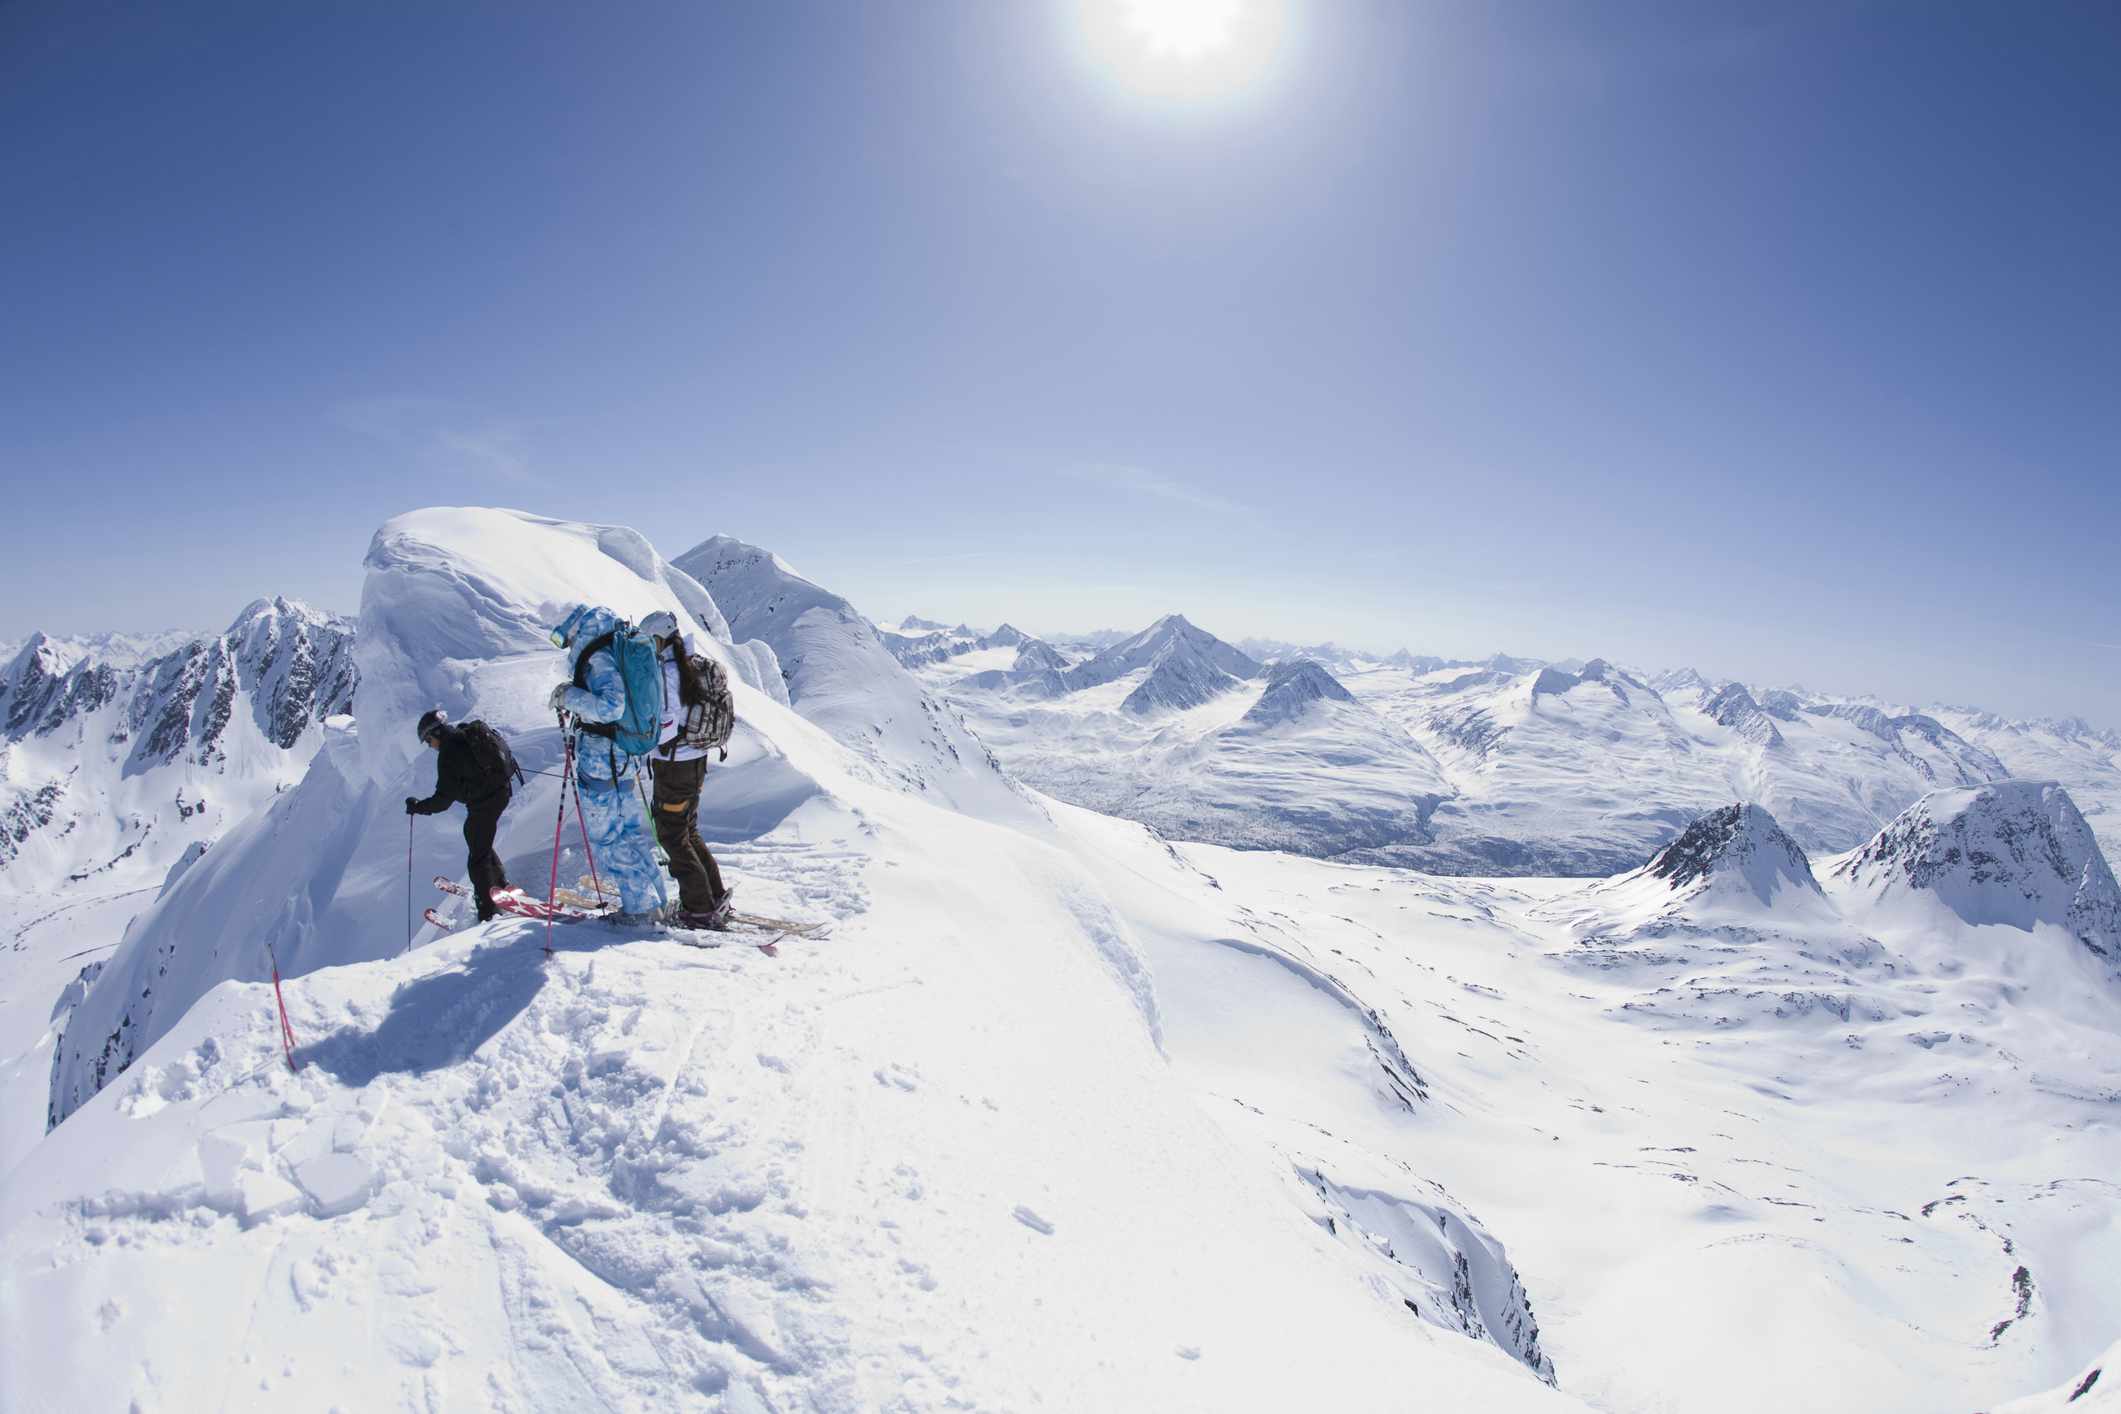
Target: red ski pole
x,y
287,1032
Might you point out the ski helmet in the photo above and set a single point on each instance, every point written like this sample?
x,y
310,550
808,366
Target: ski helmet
x,y
431,723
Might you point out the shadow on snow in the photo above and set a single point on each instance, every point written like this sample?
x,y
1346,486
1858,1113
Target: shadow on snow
x,y
437,1020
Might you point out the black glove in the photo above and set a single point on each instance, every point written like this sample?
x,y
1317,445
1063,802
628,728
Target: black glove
x,y
412,805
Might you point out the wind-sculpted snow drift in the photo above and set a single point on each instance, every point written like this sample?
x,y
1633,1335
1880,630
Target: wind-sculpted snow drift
x,y
998,1140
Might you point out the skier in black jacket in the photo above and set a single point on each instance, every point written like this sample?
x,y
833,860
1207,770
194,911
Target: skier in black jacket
x,y
476,774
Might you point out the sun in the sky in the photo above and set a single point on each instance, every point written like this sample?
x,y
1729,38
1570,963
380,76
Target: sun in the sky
x,y
1192,49
1187,30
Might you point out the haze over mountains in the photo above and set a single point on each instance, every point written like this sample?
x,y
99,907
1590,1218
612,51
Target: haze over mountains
x,y
1256,1127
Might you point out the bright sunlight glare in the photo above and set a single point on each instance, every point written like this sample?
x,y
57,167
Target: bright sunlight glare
x,y
1184,49
1186,30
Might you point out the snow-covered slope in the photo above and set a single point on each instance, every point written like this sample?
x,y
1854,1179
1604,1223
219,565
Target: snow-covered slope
x,y
1305,768
2094,1390
1748,1156
1002,1138
841,676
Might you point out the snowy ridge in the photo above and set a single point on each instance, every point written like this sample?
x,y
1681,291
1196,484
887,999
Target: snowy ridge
x,y
649,1176
840,675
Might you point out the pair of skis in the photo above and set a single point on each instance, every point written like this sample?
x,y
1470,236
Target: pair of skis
x,y
571,906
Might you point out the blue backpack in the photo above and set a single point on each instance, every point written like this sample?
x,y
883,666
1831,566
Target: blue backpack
x,y
637,728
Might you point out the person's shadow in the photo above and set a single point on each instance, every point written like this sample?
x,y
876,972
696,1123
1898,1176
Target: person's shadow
x,y
436,1021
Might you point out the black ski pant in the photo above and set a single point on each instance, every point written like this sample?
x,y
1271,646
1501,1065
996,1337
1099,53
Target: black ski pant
x,y
677,830
484,866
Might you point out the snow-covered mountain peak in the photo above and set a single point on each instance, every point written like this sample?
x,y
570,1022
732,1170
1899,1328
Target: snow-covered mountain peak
x,y
1781,703
2016,853
1732,706
41,653
1679,680
1740,846
1188,666
1035,655
1559,681
1292,689
1733,866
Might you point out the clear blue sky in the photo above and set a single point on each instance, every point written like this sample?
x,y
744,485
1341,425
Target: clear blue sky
x,y
1784,340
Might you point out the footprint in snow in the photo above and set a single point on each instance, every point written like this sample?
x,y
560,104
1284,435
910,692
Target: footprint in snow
x,y
1033,1221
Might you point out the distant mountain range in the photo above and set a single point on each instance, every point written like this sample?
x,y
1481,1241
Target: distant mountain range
x,y
1500,766
117,753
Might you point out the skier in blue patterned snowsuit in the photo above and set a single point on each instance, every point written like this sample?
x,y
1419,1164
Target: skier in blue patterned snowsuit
x,y
611,807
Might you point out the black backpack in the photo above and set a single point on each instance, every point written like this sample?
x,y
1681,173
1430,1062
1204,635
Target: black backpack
x,y
493,763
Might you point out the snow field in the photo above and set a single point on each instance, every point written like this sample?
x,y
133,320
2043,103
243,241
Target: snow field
x,y
936,1160
1723,1200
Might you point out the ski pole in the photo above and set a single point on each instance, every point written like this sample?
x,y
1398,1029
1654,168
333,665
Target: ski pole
x,y
581,820
552,886
408,881
640,788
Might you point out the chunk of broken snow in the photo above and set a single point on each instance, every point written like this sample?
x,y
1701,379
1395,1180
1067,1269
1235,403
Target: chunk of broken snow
x,y
336,1183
